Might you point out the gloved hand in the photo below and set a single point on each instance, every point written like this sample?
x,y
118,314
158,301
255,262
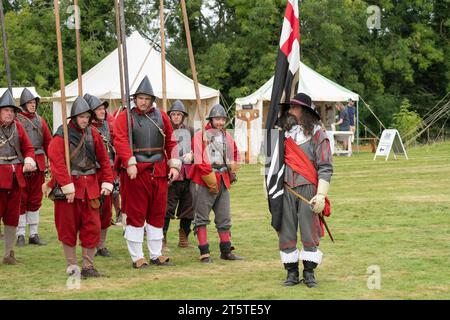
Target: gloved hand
x,y
211,182
234,167
318,201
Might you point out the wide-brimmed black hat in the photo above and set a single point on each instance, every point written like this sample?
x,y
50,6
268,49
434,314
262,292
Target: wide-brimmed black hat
x,y
302,99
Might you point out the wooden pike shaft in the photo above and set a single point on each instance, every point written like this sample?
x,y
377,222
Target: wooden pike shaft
x,y
125,70
306,201
77,36
192,61
62,85
163,54
5,48
119,51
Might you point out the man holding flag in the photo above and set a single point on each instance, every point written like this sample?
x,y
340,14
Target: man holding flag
x,y
298,160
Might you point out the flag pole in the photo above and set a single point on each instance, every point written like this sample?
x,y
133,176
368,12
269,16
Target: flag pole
x,y
119,51
193,69
163,54
125,70
62,85
77,36
5,48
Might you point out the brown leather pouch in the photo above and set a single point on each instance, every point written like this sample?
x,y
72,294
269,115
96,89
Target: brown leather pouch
x,y
95,203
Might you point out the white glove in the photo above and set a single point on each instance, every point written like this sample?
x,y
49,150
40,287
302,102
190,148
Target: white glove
x,y
318,201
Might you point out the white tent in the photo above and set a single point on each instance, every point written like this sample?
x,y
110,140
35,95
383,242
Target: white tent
x,y
103,81
320,89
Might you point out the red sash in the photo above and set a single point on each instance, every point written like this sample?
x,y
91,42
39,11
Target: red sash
x,y
296,158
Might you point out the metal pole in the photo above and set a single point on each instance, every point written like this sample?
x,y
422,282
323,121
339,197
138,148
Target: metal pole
x,y
192,61
62,85
119,51
77,36
125,70
163,54
5,48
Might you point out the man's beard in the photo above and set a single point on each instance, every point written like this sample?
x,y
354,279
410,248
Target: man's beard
x,y
287,121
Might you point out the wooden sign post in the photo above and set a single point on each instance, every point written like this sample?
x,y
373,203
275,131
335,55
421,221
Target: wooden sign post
x,y
248,116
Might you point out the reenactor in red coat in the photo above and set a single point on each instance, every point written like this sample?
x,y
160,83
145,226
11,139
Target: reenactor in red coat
x,y
40,137
16,158
78,214
103,122
215,164
179,203
149,162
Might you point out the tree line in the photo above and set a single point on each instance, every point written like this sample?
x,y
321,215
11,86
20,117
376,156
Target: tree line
x,y
236,43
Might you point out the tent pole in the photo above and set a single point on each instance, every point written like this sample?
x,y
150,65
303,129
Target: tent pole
x,y
357,125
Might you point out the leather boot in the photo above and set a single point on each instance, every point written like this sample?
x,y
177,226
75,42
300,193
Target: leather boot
x,y
20,241
183,241
226,254
292,274
308,274
35,239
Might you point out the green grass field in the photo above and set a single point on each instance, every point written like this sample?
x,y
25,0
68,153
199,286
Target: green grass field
x,y
394,215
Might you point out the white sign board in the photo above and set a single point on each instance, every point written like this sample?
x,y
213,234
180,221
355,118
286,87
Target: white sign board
x,y
390,139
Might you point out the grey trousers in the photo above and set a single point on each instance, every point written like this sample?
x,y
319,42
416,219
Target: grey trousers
x,y
297,213
204,201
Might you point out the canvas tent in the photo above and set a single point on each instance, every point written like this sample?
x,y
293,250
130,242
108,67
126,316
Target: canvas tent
x,y
103,81
322,91
17,91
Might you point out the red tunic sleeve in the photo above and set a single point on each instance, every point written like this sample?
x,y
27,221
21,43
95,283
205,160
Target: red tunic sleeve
x,y
121,144
56,157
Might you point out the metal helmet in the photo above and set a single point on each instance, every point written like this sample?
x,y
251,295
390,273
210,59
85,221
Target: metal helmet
x,y
145,87
79,106
217,111
178,106
94,102
7,100
27,96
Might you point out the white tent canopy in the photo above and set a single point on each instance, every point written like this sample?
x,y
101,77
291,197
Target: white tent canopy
x,y
319,88
17,91
103,80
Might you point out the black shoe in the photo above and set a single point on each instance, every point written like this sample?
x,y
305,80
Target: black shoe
x,y
205,258
90,273
103,252
226,254
36,240
162,262
230,256
292,278
20,241
308,274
